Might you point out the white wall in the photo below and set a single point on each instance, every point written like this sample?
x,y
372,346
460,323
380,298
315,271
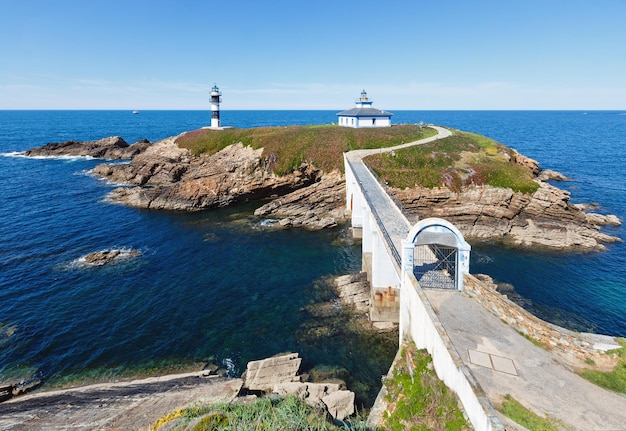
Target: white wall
x,y
374,122
363,122
419,323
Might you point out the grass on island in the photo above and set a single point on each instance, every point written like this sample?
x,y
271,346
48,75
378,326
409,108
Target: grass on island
x,y
454,162
612,380
323,146
515,411
263,414
417,399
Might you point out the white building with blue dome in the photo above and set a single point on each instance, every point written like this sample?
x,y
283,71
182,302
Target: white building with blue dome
x,y
364,115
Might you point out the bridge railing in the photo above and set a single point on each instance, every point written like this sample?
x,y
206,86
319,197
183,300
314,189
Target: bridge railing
x,y
412,218
379,221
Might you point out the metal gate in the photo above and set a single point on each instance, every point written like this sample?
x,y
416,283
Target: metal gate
x,y
435,266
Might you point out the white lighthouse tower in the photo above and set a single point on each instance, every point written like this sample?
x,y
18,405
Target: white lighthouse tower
x,y
216,98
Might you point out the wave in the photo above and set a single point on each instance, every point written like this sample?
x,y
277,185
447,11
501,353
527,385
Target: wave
x,y
268,222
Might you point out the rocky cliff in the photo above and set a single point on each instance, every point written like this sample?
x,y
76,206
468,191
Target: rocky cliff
x,y
166,176
546,218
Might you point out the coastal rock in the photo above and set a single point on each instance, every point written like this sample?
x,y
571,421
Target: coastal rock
x,y
545,218
265,374
600,219
310,393
318,206
340,404
548,174
527,162
354,289
169,177
112,148
104,257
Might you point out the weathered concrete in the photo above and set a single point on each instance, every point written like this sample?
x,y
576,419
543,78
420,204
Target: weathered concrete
x,y
504,362
575,349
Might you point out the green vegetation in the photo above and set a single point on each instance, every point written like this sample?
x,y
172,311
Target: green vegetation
x,y
417,399
613,380
532,340
454,162
520,414
264,414
290,146
459,160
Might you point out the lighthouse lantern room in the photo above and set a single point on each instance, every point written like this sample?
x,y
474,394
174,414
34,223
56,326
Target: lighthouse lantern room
x,y
216,99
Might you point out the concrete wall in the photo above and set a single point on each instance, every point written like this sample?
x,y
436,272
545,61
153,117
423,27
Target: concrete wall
x,y
419,323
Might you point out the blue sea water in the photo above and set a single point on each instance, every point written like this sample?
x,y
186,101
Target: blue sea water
x,y
220,285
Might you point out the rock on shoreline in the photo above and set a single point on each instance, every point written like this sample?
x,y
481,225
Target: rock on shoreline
x,y
112,148
318,206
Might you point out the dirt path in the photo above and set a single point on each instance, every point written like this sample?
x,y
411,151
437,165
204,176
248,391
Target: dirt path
x,y
133,405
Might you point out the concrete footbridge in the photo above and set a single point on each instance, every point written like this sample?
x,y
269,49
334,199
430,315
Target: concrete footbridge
x,y
417,270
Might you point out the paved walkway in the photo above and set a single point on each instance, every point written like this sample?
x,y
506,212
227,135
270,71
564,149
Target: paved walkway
x,y
504,362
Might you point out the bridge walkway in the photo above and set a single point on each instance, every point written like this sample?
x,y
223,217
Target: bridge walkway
x,y
393,223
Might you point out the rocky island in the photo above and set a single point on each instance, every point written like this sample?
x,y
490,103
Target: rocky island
x,y
296,175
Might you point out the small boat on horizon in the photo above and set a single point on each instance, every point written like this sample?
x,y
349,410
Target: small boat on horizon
x,y
135,112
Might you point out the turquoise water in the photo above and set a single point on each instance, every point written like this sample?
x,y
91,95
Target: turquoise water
x,y
219,285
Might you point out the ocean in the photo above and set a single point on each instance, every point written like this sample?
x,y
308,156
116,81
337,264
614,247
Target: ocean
x,y
220,286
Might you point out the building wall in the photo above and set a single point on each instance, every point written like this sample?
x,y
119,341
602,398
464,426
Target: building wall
x,y
363,122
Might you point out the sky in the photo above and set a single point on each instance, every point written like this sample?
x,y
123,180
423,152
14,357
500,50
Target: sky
x,y
313,54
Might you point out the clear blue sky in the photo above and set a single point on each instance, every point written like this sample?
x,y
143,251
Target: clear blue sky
x,y
313,54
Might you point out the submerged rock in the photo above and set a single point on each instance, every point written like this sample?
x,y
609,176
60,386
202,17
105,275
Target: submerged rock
x,y
354,289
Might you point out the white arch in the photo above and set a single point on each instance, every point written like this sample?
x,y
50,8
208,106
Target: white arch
x,y
435,230
438,226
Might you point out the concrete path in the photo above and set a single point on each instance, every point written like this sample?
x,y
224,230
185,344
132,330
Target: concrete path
x,y
123,406
396,224
504,362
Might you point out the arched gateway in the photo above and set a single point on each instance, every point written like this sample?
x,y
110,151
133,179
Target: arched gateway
x,y
437,254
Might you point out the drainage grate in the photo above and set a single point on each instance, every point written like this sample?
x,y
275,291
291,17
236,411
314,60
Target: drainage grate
x,y
495,362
